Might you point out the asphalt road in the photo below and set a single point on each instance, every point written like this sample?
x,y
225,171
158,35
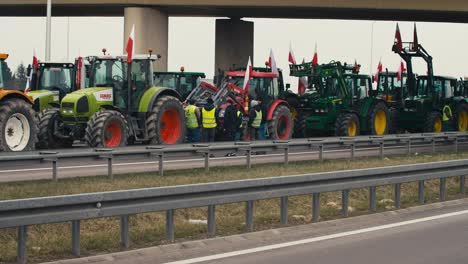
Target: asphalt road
x,y
23,171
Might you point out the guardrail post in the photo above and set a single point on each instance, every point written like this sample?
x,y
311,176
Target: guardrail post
x,y
75,225
381,151
372,198
421,192
249,207
344,202
409,146
352,150
22,240
315,207
54,169
462,184
286,155
170,225
211,221
109,167
321,149
161,163
443,189
433,145
249,158
207,161
124,238
284,210
456,144
397,195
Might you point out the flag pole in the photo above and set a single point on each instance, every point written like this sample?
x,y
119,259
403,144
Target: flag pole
x,y
48,30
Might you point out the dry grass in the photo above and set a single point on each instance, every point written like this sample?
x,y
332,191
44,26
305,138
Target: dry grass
x,y
48,242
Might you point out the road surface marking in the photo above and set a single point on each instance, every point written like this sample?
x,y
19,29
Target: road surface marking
x,y
316,239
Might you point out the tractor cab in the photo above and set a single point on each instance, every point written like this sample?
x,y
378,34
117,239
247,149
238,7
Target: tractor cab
x,y
444,87
183,82
4,78
390,89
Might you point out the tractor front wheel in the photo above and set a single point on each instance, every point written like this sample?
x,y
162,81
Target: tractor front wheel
x,y
433,122
49,121
461,116
19,125
378,119
347,125
166,122
107,128
280,126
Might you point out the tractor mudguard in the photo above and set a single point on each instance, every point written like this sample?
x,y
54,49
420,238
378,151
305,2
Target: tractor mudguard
x,y
44,98
152,94
273,106
15,94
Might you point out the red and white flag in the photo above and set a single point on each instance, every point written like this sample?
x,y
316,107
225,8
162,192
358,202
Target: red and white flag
x,y
415,39
398,42
34,68
401,70
291,58
272,62
131,46
379,70
248,75
80,73
315,59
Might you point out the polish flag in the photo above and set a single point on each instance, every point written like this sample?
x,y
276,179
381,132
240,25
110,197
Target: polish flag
x,y
291,58
401,70
356,66
80,73
415,39
315,59
398,42
379,70
248,75
35,67
131,46
272,62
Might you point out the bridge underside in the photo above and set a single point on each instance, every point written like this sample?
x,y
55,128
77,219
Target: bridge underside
x,y
262,12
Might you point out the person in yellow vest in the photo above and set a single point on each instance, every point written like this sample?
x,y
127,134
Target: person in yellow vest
x,y
447,122
255,119
209,124
192,116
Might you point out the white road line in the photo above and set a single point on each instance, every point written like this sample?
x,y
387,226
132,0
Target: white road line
x,y
185,160
316,239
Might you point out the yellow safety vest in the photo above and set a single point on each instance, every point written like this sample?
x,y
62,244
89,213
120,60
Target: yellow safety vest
x,y
258,119
239,114
191,117
445,117
209,119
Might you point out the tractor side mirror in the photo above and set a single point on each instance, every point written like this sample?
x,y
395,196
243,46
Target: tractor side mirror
x,y
288,86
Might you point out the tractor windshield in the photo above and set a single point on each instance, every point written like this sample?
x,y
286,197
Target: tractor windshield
x,y
326,86
108,73
182,83
56,78
2,73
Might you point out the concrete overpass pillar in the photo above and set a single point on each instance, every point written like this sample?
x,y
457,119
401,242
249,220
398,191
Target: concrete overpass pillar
x,y
234,43
151,31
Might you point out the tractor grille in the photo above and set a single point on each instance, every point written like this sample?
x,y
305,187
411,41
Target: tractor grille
x,y
68,105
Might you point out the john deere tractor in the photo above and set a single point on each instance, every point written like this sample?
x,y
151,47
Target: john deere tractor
x,y
18,124
337,102
121,106
183,82
426,96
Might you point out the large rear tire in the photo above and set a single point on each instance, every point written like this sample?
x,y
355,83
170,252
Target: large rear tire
x,y
300,127
166,122
433,122
393,127
48,120
18,123
281,124
347,125
108,129
378,120
461,117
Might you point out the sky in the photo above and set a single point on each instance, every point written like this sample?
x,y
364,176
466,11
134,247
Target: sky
x,y
192,41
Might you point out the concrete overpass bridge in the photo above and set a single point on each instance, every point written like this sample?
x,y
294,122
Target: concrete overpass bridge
x,y
235,37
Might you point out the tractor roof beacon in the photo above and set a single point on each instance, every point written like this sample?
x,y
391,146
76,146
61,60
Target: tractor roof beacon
x,y
18,124
337,101
121,106
425,97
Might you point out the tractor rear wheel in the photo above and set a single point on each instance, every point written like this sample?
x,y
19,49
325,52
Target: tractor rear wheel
x,y
300,127
347,125
280,126
378,119
107,128
393,114
18,123
433,122
461,117
166,122
49,119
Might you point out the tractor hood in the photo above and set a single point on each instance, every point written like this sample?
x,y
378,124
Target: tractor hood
x,y
44,93
44,99
85,102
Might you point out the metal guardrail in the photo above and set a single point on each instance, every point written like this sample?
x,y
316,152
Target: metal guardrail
x,y
74,208
160,153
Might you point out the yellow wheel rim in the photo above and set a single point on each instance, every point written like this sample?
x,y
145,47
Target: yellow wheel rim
x,y
463,121
352,128
380,122
438,125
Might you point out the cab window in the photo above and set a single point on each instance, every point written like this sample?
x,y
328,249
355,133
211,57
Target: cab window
x,y
55,78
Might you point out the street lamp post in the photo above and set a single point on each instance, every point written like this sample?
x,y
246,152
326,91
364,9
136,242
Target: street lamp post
x,y
372,47
48,30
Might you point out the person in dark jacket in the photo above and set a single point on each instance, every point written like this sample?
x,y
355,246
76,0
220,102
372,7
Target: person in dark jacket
x,y
208,121
255,119
232,120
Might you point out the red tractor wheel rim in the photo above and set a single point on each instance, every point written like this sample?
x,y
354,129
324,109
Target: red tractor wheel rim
x,y
283,127
113,134
171,127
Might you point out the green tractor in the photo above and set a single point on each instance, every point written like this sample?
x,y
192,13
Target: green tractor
x,y
121,106
183,82
337,102
426,96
